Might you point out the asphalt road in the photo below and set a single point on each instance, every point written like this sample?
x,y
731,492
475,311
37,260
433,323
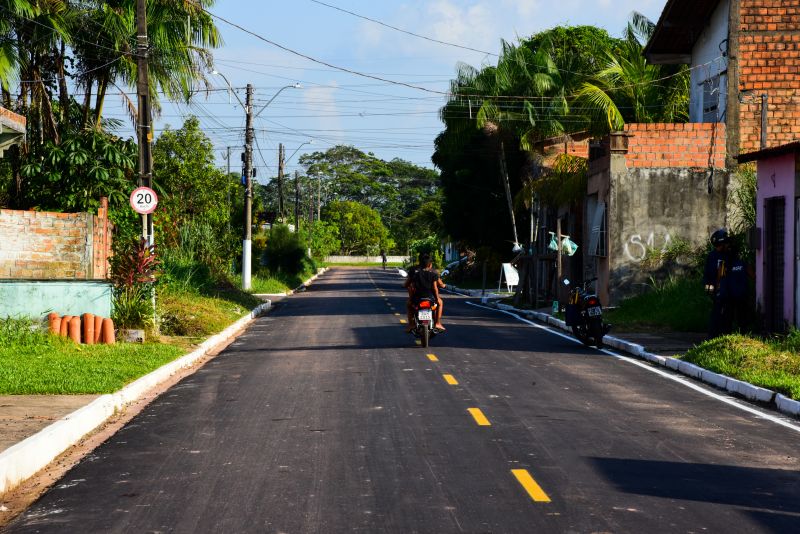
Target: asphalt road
x,y
326,417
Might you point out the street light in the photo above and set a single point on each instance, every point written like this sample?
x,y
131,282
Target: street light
x,y
249,134
293,86
309,142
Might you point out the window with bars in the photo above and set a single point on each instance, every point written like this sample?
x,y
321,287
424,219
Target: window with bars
x,y
598,231
711,99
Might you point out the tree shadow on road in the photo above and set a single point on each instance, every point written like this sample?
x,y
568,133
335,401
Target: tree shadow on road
x,y
769,496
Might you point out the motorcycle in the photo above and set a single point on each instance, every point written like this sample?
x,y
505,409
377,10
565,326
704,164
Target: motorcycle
x,y
424,313
424,329
584,313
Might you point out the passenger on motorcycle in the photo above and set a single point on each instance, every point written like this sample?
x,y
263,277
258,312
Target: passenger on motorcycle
x,y
423,281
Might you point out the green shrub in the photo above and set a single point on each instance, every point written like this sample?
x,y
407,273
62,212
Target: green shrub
x,y
22,333
133,306
432,246
285,252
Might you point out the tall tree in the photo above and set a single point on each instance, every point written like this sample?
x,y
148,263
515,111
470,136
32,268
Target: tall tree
x,y
629,89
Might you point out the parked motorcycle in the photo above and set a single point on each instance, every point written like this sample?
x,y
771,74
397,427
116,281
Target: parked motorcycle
x,y
584,313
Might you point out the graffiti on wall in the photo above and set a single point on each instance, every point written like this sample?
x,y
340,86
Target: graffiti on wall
x,y
637,245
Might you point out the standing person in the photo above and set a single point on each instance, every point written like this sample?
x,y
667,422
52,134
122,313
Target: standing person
x,y
383,258
725,278
423,281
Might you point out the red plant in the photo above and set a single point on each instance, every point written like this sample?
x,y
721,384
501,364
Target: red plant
x,y
138,265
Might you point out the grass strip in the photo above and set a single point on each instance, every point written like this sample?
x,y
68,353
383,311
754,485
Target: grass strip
x,y
770,363
56,366
679,305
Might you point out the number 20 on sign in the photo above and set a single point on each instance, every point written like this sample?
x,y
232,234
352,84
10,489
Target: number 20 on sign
x,y
144,200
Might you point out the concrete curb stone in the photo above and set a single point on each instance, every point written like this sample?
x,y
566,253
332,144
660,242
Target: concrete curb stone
x,y
24,459
787,405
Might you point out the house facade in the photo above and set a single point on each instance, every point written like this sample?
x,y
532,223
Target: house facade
x,y
778,235
12,129
656,184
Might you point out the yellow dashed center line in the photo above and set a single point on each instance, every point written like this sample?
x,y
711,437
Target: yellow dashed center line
x,y
433,358
403,321
450,379
477,414
530,485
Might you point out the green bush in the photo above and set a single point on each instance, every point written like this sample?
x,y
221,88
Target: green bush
x,y
133,306
285,251
432,246
323,238
22,333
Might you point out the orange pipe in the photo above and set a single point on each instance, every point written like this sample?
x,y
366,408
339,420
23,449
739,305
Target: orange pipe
x,y
98,328
108,332
75,329
54,322
64,329
88,328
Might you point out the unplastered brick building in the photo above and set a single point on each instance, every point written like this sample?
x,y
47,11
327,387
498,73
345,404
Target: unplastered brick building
x,y
54,262
654,184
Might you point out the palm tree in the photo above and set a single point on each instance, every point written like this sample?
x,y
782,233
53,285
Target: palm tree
x,y
180,36
629,89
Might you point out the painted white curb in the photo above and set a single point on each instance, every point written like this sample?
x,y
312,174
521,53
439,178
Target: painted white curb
x,y
732,385
24,459
787,405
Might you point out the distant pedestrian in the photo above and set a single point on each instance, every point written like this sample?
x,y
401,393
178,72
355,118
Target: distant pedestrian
x,y
726,280
383,258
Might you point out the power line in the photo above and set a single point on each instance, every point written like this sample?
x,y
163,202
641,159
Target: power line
x,y
425,37
319,61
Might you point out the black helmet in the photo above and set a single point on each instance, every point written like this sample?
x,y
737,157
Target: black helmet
x,y
720,237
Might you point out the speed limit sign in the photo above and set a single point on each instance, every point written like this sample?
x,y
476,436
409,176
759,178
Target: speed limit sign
x,y
144,200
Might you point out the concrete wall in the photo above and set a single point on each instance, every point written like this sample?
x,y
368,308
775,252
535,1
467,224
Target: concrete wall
x,y
35,299
654,179
37,245
648,209
364,259
776,178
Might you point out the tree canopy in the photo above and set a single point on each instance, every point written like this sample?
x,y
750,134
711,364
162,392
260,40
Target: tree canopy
x,y
556,84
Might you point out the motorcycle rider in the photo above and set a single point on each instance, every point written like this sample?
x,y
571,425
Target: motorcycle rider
x,y
423,281
725,278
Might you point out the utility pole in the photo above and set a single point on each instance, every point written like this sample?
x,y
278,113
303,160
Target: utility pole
x,y
228,186
248,189
296,201
319,192
281,153
144,130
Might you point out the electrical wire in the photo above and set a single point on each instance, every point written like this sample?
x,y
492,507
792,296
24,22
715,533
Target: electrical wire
x,y
395,28
319,61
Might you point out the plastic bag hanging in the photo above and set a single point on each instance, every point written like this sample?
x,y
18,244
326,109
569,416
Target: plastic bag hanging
x,y
568,246
553,242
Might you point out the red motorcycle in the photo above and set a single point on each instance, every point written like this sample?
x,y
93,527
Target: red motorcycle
x,y
424,312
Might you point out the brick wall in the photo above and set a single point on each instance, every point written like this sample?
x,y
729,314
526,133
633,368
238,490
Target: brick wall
x,y
769,62
687,145
37,245
11,118
578,146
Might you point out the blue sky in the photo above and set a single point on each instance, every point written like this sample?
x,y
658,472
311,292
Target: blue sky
x,y
333,107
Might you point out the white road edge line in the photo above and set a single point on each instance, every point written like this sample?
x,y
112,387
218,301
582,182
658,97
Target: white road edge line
x,y
683,381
